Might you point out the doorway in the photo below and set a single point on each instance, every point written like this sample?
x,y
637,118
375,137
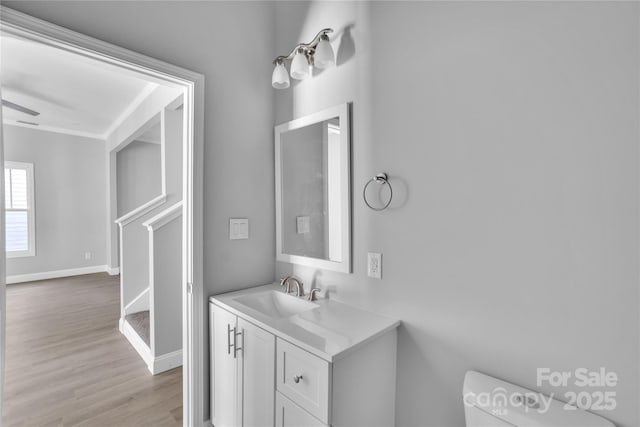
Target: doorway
x,y
191,85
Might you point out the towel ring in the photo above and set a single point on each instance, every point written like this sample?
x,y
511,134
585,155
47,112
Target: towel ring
x,y
382,179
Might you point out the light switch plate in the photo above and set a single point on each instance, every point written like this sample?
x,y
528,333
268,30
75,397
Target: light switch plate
x,y
238,228
374,265
303,224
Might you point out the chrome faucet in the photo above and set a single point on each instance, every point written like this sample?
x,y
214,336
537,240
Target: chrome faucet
x,y
298,283
285,282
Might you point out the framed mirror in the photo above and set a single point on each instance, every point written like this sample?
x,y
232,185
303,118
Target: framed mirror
x,y
313,190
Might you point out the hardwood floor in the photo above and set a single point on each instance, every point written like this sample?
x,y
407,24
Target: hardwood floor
x,y
68,365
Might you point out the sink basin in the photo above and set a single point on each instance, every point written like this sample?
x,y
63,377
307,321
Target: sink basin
x,y
318,330
275,304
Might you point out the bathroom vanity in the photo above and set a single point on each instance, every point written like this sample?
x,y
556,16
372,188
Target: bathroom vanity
x,y
278,359
282,360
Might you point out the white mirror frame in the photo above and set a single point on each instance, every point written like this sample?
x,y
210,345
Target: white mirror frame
x,y
342,112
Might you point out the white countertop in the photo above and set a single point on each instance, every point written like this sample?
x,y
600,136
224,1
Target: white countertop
x,y
330,331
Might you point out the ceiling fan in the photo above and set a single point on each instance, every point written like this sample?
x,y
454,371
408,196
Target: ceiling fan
x,y
20,108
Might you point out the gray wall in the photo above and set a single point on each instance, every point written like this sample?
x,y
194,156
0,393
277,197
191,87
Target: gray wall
x,y
134,236
70,199
167,289
138,175
510,133
217,39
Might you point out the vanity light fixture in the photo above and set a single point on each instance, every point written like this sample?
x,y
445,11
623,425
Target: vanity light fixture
x,y
318,52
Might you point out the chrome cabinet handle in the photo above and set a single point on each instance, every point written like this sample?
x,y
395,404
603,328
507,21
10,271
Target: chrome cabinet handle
x,y
235,342
297,378
229,345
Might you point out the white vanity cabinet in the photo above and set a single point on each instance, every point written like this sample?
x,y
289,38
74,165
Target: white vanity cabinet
x,y
242,371
332,365
356,390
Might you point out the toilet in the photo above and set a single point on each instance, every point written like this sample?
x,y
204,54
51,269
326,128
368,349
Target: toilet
x,y
490,402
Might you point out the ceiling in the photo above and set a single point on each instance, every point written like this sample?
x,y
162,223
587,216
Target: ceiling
x,y
72,93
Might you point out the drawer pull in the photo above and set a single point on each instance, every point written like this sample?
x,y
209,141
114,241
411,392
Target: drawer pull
x,y
297,378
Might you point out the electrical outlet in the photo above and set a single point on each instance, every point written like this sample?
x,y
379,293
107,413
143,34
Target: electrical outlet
x,y
87,255
374,265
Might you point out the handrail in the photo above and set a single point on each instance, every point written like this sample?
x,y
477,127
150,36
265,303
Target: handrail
x,y
164,217
141,210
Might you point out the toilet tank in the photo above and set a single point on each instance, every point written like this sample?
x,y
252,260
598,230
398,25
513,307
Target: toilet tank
x,y
490,402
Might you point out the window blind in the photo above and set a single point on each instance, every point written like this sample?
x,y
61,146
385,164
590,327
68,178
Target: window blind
x,y
17,208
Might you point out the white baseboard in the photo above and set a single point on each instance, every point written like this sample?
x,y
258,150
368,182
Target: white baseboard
x,y
166,362
139,303
136,342
113,271
155,365
19,278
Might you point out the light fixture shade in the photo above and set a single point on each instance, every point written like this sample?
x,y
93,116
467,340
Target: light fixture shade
x,y
324,56
280,77
300,66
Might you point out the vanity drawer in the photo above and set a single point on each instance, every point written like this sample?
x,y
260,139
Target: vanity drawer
x,y
288,414
303,378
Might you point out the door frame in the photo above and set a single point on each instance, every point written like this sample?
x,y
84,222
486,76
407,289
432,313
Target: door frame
x,y
26,26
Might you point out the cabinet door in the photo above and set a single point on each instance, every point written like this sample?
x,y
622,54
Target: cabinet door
x,y
224,373
288,414
258,375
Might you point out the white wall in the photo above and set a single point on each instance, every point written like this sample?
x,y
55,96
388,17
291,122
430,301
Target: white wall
x,y
217,39
70,207
138,175
510,133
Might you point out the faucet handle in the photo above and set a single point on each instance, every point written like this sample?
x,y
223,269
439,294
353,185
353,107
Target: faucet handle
x,y
312,293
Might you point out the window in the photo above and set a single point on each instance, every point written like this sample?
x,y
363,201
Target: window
x,y
19,214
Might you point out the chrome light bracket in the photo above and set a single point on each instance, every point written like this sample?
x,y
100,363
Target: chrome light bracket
x,y
309,48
